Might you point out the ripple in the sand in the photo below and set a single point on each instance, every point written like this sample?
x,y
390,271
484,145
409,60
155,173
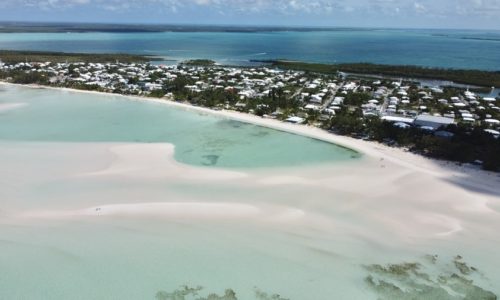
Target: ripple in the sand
x,y
426,280
187,293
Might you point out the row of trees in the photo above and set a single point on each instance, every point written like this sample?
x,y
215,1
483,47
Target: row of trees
x,y
473,77
13,57
22,77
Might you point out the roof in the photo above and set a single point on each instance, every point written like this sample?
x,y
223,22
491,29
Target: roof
x,y
435,119
397,119
297,120
492,121
494,132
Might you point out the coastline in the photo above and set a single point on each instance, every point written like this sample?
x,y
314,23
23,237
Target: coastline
x,y
479,179
106,203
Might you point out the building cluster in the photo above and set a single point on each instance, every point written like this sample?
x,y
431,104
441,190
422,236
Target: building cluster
x,y
405,104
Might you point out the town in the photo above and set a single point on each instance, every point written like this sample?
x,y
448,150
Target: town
x,y
442,122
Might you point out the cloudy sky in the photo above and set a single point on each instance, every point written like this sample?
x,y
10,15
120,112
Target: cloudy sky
x,y
363,13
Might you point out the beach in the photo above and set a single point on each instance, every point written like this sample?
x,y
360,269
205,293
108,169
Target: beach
x,y
304,232
452,171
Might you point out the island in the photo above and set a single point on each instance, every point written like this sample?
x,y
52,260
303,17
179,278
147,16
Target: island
x,y
471,77
13,57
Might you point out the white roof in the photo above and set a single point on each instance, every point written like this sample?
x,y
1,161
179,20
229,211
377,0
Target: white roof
x,y
312,106
494,132
297,120
434,119
397,119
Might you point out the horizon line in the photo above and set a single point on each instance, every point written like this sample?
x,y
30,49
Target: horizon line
x,y
224,25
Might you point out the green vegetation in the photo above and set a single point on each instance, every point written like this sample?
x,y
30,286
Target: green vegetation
x,y
418,281
186,292
462,266
431,278
473,77
26,78
13,57
356,99
199,62
14,27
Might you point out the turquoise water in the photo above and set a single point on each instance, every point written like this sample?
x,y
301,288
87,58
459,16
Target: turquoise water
x,y
305,232
136,257
434,48
202,140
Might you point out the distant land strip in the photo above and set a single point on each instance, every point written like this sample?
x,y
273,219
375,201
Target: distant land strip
x,y
472,77
28,27
13,57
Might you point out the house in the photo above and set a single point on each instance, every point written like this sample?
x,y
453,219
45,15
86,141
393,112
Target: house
x,y
433,121
313,107
295,120
316,98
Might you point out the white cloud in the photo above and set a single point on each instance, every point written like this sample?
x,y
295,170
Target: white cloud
x,y
450,8
419,8
478,7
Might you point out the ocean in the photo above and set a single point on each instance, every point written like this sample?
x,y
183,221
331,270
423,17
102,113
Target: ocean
x,y
431,48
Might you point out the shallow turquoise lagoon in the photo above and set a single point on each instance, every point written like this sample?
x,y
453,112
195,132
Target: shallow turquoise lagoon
x,y
200,139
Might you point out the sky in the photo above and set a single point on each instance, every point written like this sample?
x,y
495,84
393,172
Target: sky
x,y
458,14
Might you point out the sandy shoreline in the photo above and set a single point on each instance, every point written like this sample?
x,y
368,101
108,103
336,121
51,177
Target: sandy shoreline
x,y
476,178
72,202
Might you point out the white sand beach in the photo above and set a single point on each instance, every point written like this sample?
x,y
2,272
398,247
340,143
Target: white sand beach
x,y
387,207
476,178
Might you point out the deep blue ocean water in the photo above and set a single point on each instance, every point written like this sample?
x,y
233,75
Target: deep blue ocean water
x,y
433,48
